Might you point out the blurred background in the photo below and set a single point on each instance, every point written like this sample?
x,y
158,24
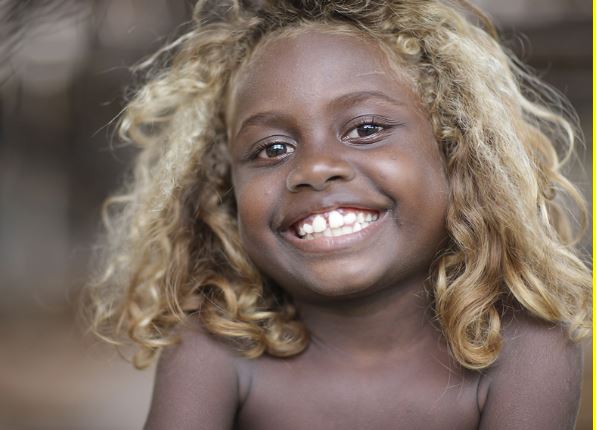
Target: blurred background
x,y
64,68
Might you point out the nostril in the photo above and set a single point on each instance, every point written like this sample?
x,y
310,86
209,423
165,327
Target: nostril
x,y
319,174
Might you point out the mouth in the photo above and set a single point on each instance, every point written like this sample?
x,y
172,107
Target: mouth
x,y
334,223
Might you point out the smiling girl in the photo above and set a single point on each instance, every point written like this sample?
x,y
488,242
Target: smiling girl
x,y
347,215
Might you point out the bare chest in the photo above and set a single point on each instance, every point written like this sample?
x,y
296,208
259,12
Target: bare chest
x,y
295,394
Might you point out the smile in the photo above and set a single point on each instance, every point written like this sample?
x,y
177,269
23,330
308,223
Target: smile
x,y
334,223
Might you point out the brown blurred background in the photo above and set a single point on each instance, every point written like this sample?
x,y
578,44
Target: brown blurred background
x,y
64,67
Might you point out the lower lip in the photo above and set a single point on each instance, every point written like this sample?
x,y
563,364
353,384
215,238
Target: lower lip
x,y
335,243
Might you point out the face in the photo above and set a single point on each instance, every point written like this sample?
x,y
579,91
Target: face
x,y
339,183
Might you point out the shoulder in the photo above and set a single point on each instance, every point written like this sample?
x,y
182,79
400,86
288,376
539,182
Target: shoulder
x,y
196,385
196,348
535,382
531,342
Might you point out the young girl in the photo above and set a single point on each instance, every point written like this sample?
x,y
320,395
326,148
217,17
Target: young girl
x,y
347,215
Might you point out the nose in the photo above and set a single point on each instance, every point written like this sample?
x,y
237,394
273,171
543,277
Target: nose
x,y
318,170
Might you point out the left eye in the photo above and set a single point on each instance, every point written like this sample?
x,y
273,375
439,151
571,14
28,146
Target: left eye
x,y
364,130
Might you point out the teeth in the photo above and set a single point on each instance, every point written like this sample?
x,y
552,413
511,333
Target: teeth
x,y
319,224
349,218
335,223
335,219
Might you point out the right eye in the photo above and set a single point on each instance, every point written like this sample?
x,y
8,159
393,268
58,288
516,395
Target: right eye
x,y
272,150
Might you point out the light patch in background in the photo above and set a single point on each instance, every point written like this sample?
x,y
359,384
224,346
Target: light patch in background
x,y
535,12
119,24
51,54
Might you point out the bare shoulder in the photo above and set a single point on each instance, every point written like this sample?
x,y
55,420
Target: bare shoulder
x,y
529,340
198,346
196,384
535,383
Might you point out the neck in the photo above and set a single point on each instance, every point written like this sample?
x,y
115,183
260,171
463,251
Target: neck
x,y
393,319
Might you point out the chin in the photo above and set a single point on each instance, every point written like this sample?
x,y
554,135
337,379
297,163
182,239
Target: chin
x,y
341,291
325,289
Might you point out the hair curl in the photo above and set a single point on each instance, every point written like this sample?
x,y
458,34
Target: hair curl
x,y
172,247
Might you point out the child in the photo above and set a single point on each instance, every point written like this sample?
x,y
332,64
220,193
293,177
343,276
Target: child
x,y
347,215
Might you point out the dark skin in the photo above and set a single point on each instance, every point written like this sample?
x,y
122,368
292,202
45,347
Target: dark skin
x,y
321,122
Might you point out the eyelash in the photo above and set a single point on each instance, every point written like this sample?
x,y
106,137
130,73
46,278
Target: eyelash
x,y
382,124
263,146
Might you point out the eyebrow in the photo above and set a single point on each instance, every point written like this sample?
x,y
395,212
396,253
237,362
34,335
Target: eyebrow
x,y
346,99
264,118
359,96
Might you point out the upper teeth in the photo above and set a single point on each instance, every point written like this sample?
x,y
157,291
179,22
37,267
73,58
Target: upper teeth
x,y
335,223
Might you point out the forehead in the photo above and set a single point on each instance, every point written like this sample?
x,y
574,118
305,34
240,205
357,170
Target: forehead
x,y
310,66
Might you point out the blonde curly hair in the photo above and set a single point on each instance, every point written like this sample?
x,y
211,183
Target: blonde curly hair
x,y
172,249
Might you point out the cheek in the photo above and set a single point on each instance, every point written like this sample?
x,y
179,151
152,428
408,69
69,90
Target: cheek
x,y
255,206
409,175
417,183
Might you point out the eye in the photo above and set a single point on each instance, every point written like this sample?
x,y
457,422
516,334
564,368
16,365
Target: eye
x,y
368,129
271,150
364,130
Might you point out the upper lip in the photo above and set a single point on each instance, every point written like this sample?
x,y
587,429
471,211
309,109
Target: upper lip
x,y
291,217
